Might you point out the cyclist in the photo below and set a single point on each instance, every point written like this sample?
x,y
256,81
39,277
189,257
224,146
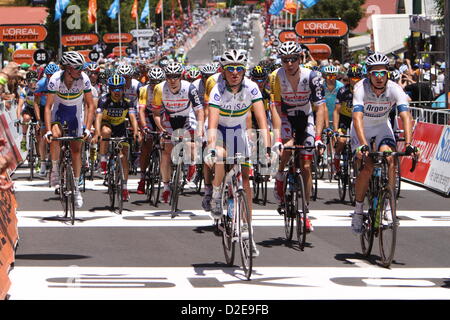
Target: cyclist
x,y
373,99
176,105
293,88
230,101
25,109
146,121
132,86
67,89
93,70
331,86
40,98
113,109
206,72
342,114
193,74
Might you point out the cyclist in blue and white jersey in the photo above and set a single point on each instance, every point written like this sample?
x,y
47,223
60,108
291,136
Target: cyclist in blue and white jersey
x,y
230,102
373,99
40,99
133,85
25,108
332,87
67,89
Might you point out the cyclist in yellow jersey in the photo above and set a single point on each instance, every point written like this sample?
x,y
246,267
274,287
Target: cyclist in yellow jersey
x,y
146,122
342,114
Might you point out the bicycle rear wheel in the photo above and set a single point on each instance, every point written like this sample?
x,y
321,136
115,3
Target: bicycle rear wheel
x,y
119,184
228,227
110,179
315,175
351,169
343,181
398,177
321,166
176,188
388,227
245,241
329,159
299,207
154,178
31,156
63,188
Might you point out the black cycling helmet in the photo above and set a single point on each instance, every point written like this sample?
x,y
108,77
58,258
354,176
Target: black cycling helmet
x,y
354,72
31,75
259,72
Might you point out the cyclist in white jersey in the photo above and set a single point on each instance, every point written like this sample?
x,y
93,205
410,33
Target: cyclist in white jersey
x,y
66,91
230,101
373,99
133,86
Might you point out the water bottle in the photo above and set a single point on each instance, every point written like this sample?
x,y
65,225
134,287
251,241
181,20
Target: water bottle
x,y
377,172
230,208
93,153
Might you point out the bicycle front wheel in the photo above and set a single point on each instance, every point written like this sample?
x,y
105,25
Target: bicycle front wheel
x,y
315,174
119,184
245,238
176,186
299,206
228,226
70,189
154,178
388,227
289,213
330,166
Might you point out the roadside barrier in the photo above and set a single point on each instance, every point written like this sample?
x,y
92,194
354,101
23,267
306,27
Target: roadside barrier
x,y
422,111
9,235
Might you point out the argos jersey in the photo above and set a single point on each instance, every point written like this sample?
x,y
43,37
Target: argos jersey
x,y
376,109
132,93
309,89
179,108
344,97
234,107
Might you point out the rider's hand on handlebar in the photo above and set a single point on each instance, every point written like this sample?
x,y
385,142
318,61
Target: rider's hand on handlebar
x,y
410,149
210,157
48,136
362,150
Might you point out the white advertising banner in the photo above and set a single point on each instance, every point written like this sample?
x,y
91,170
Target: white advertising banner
x,y
438,176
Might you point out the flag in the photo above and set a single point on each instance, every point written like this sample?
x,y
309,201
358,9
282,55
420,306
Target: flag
x,y
159,7
308,3
113,9
134,9
145,12
92,11
290,6
276,7
60,7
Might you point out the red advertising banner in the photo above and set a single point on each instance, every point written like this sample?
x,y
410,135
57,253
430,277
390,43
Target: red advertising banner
x,y
426,137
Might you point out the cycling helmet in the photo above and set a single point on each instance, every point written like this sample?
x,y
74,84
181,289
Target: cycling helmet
x,y
51,68
377,59
193,74
73,59
125,70
289,47
31,75
174,68
394,75
156,74
116,81
330,69
102,77
259,72
163,63
208,70
354,72
233,57
93,67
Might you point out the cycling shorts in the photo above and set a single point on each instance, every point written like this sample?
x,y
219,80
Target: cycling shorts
x,y
383,135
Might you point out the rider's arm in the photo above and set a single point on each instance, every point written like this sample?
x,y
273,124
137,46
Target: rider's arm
x,y
276,122
358,113
48,110
142,104
20,106
198,108
260,115
157,106
90,111
336,112
213,121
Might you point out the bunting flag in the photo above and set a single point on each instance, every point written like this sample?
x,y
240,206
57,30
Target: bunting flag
x,y
60,7
276,7
134,9
145,12
158,7
290,6
113,9
308,3
92,11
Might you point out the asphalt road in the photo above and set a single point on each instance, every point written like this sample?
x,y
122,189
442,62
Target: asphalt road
x,y
144,254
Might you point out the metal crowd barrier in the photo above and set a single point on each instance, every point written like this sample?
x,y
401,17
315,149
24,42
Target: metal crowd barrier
x,y
423,111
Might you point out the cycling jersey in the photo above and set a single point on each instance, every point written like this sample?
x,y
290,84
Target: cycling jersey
x,y
145,101
68,103
178,108
115,114
200,85
330,97
132,93
210,83
28,107
344,97
41,91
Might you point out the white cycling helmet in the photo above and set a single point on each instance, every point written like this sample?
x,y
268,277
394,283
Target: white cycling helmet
x,y
193,73
125,70
156,74
208,70
377,59
233,57
174,68
288,48
73,59
330,69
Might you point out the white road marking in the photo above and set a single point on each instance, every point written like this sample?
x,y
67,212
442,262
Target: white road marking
x,y
284,283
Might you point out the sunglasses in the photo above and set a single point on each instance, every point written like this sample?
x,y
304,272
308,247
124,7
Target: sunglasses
x,y
378,74
331,76
173,76
116,89
78,68
291,59
232,69
355,79
259,80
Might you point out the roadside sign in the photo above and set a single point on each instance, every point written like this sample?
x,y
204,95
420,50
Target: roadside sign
x,y
23,56
116,51
41,56
321,28
23,33
290,35
142,33
114,37
80,39
85,54
319,51
94,55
